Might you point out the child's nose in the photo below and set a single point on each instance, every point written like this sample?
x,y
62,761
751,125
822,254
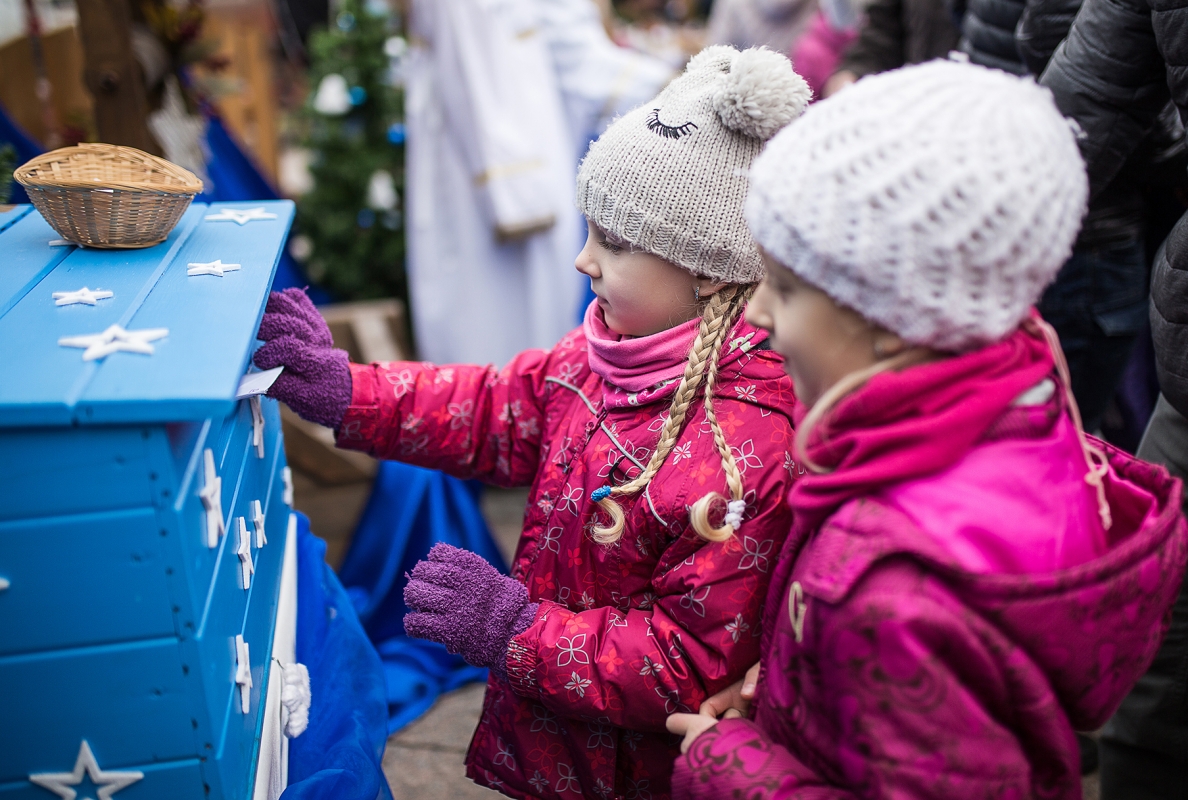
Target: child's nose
x,y
756,313
585,263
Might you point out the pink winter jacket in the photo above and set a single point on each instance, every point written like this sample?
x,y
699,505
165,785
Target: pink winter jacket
x,y
943,638
626,634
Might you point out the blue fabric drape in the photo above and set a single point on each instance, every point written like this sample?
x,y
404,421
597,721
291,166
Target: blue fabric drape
x,y
410,510
26,148
339,755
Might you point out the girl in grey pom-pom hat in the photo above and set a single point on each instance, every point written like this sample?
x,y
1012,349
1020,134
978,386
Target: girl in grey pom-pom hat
x,y
655,440
978,577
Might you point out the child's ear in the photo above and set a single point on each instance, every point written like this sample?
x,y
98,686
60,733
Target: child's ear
x,y
887,344
709,288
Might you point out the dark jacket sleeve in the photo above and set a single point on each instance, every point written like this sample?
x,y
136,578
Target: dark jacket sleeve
x,y
1042,28
1110,77
881,41
1169,317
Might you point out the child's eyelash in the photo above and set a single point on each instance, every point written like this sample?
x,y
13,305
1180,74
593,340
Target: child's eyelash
x,y
668,131
606,244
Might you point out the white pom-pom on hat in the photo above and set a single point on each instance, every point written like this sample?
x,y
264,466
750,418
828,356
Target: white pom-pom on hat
x,y
761,94
670,177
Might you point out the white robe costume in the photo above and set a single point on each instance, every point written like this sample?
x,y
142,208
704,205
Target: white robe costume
x,y
502,97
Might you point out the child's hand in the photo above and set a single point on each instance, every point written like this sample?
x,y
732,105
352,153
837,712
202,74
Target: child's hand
x,y
316,382
737,696
456,598
693,725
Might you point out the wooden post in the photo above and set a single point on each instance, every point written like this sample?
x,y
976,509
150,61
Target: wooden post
x,y
113,76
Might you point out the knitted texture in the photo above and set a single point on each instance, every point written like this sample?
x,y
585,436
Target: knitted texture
x,y
670,177
936,200
316,382
456,598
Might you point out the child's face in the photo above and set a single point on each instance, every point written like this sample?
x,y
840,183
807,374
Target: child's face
x,y
639,293
821,342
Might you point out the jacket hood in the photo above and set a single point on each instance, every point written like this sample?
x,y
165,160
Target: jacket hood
x,y
1093,629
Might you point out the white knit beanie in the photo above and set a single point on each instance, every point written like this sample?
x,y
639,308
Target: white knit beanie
x,y
670,177
936,200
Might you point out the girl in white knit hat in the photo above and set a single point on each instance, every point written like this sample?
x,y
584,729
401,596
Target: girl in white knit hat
x,y
970,578
656,439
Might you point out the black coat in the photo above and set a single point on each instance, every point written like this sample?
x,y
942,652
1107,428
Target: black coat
x,y
988,32
895,33
1110,75
1117,212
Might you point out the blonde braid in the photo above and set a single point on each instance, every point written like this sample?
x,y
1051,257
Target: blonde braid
x,y
699,513
717,319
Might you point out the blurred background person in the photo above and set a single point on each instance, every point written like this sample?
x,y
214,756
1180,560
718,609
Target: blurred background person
x,y
502,98
1114,75
894,33
777,24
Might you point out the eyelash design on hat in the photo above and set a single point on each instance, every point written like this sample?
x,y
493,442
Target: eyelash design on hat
x,y
668,131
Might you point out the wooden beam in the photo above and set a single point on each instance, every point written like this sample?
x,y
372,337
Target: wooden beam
x,y
113,76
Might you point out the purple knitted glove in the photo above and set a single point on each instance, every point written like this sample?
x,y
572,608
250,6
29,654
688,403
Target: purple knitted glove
x,y
461,601
316,382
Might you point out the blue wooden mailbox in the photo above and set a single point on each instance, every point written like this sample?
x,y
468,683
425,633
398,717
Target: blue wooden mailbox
x,y
147,565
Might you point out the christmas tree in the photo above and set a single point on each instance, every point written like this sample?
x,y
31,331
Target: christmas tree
x,y
351,234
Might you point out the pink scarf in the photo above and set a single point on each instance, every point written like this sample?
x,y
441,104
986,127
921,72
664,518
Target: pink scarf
x,y
639,371
904,425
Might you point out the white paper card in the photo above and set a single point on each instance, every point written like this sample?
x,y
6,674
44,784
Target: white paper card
x,y
255,383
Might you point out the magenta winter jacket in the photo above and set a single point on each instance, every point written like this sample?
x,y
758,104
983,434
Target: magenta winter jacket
x,y
944,638
625,635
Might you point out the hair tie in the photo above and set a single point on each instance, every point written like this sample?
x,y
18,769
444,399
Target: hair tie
x,y
601,493
734,512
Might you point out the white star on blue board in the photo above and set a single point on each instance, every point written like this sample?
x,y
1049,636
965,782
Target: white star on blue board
x,y
258,524
240,216
83,295
108,783
257,425
216,267
115,340
244,551
211,495
243,673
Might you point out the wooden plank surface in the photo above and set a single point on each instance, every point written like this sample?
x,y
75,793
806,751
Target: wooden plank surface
x,y
193,372
117,696
10,214
26,255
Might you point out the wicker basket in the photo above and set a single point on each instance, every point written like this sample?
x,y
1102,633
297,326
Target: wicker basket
x,y
104,195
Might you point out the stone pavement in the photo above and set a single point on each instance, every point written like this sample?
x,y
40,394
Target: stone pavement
x,y
424,760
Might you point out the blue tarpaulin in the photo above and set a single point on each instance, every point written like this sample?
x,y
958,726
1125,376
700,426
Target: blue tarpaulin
x,y
339,755
409,511
25,147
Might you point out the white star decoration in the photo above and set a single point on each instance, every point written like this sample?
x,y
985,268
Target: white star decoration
x,y
114,340
216,267
243,673
257,425
244,551
83,295
240,215
108,782
211,495
258,524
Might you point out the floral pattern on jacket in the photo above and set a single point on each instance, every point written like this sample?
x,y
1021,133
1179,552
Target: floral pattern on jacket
x,y
627,634
973,690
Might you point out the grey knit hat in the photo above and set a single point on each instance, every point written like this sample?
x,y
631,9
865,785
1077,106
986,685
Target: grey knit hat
x,y
936,200
670,177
